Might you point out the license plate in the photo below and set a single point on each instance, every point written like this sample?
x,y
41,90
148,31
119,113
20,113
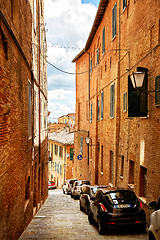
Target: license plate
x,y
123,206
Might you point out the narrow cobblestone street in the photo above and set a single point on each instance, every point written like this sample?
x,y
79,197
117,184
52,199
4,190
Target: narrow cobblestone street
x,y
60,218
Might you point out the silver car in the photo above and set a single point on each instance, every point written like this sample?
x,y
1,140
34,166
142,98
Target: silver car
x,y
77,188
68,186
154,228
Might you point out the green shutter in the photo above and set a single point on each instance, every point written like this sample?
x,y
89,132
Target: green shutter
x,y
91,114
102,104
112,100
157,88
103,37
71,153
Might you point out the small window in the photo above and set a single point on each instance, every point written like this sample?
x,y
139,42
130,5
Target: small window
x,y
91,114
157,88
71,153
143,182
97,56
131,172
91,65
125,102
114,21
122,165
112,97
103,41
81,145
124,4
29,109
98,110
102,104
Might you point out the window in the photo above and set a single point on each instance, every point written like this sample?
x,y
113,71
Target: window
x,y
60,170
131,172
98,110
157,88
71,153
102,104
101,158
114,21
60,152
137,101
91,114
81,145
143,182
97,56
111,167
29,109
125,102
122,165
103,41
91,65
112,97
56,149
55,166
35,15
124,4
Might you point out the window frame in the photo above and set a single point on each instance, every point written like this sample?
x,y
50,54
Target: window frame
x,y
102,104
157,94
112,100
114,21
103,41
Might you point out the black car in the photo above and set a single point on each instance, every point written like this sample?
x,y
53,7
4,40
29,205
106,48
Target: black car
x,y
116,207
88,195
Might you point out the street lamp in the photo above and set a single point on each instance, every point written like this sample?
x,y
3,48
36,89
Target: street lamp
x,y
137,79
88,140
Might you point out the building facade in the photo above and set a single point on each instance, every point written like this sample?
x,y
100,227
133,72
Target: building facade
x,y
23,116
61,145
121,123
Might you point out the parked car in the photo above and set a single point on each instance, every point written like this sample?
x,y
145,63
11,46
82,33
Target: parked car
x,y
116,207
68,185
77,188
154,228
88,195
51,185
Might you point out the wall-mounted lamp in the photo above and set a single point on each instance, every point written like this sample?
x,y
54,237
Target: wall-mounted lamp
x,y
137,79
88,140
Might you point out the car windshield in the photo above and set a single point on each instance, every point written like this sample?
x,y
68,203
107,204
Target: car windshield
x,y
121,197
83,182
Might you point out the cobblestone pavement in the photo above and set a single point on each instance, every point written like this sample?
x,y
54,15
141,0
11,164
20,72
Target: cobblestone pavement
x,y
60,218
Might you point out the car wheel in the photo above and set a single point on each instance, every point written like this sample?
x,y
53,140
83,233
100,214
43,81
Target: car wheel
x,y
100,227
67,192
71,195
63,191
81,208
90,217
86,209
151,237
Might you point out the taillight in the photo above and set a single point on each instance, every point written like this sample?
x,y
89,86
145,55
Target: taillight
x,y
68,185
111,223
103,209
75,188
141,205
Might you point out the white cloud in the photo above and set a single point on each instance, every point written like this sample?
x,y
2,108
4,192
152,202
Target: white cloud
x,y
69,23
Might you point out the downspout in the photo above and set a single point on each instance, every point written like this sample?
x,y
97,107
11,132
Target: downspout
x,y
39,80
118,97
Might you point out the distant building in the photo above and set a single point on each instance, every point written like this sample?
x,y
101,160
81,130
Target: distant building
x,y
61,145
68,119
23,115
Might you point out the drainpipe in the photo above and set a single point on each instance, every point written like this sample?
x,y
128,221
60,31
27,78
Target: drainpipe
x,y
39,80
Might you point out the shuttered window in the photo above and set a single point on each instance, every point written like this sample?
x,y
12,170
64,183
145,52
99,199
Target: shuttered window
x,y
97,110
91,65
102,104
157,88
91,113
97,56
29,109
103,41
81,145
125,102
112,100
71,153
124,4
114,21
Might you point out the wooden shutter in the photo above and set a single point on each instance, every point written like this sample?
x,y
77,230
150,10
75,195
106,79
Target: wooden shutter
x,y
157,88
103,37
102,104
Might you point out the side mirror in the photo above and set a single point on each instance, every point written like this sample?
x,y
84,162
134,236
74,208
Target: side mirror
x,y
152,205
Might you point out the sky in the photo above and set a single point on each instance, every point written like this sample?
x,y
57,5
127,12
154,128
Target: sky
x,y
68,24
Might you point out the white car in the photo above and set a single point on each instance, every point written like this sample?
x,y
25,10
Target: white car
x,y
154,228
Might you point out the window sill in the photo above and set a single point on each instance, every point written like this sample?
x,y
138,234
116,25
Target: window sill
x,y
131,186
143,200
121,177
102,173
111,184
144,117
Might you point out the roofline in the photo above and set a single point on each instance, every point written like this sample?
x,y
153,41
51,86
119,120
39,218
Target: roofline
x,y
99,15
79,55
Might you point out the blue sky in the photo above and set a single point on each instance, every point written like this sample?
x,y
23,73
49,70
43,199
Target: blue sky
x,y
68,26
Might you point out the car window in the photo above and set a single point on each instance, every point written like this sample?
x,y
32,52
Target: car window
x,y
121,197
